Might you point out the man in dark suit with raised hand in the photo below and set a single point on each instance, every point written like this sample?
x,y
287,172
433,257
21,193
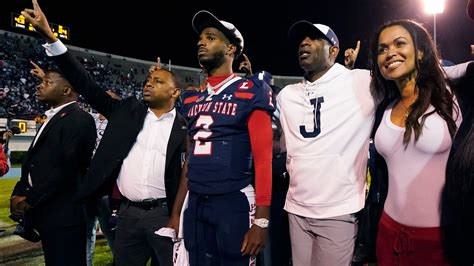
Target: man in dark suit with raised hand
x,y
142,149
57,160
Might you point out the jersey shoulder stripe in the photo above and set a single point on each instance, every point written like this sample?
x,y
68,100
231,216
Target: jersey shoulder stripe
x,y
244,95
190,99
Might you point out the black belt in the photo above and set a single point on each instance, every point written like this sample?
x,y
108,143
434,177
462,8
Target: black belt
x,y
146,204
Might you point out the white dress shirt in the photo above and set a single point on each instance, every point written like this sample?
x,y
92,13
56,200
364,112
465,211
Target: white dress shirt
x,y
142,175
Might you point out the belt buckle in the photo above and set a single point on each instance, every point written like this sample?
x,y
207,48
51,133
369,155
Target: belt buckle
x,y
147,205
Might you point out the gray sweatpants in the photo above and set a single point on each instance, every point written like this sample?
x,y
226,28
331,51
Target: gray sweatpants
x,y
321,242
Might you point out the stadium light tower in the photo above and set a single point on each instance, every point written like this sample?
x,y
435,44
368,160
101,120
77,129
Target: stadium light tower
x,y
434,7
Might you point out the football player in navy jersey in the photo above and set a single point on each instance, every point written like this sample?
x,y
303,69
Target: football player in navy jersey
x,y
229,124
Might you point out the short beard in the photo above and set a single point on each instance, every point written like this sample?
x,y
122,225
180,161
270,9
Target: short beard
x,y
215,61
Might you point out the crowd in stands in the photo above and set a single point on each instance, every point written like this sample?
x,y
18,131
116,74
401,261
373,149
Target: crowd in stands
x,y
18,86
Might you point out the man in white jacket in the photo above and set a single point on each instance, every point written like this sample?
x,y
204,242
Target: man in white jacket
x,y
326,120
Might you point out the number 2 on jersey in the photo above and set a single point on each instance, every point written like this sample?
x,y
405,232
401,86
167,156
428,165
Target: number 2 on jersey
x,y
201,146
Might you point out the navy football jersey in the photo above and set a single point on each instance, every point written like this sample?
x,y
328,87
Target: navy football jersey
x,y
220,155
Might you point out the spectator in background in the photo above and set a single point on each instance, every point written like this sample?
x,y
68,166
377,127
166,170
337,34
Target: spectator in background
x,y
457,216
278,250
4,165
246,66
3,162
279,244
101,210
37,122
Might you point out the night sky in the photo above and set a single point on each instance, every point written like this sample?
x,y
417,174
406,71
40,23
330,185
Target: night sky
x,y
147,29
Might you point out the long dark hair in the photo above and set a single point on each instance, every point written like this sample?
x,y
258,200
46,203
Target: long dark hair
x,y
430,81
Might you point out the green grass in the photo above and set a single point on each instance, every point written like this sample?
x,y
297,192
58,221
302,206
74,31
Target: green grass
x,y
102,254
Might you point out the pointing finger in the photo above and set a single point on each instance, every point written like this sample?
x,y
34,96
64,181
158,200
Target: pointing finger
x,y
357,46
36,5
35,65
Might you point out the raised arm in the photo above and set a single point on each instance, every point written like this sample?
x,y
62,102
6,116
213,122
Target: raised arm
x,y
37,71
350,56
73,70
155,66
38,19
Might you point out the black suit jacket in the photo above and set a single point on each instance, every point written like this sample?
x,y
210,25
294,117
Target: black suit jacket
x,y
57,163
125,121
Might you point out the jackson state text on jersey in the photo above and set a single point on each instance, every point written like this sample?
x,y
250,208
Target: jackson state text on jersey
x,y
220,154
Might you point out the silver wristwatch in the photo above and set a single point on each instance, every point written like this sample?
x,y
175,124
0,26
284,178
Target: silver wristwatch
x,y
262,222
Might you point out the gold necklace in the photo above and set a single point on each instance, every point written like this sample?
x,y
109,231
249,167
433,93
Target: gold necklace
x,y
407,109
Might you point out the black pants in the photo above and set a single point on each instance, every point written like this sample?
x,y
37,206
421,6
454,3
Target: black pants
x,y
64,245
279,232
135,238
